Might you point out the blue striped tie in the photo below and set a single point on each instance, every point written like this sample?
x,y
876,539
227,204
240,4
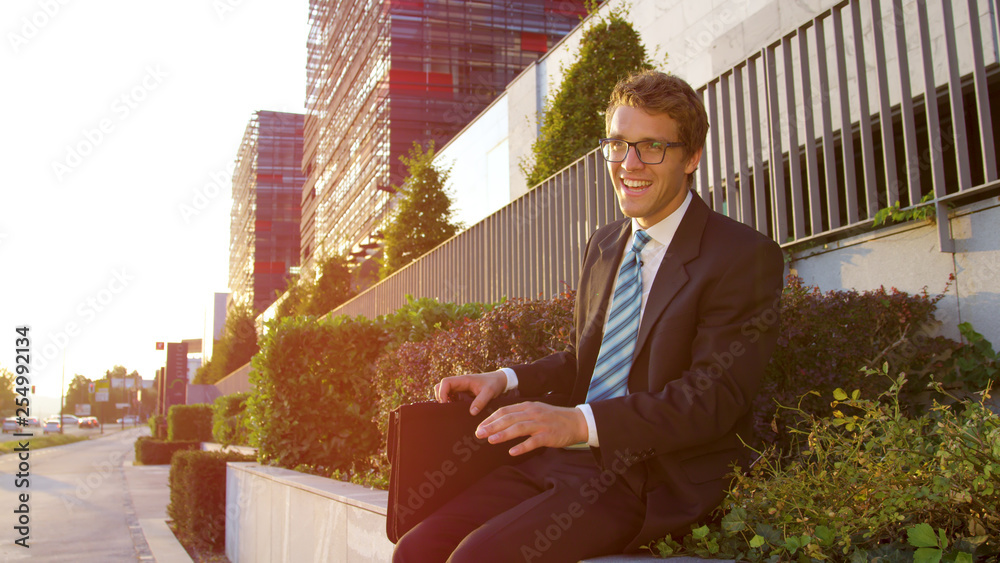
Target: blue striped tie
x,y
622,329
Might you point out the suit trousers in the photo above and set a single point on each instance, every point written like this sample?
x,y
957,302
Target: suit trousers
x,y
558,506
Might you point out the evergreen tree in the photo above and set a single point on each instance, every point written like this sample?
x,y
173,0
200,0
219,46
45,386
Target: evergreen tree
x,y
573,120
424,216
332,286
236,346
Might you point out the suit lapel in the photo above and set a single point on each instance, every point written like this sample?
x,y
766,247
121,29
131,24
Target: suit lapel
x,y
672,275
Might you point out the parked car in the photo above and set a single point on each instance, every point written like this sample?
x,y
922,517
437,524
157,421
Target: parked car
x,y
128,419
33,421
89,422
52,425
10,424
69,420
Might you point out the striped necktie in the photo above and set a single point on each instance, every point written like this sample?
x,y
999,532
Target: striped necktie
x,y
615,358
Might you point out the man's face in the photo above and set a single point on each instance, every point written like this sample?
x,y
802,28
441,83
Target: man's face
x,y
649,192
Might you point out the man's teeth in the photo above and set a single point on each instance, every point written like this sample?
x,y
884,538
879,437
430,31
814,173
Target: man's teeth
x,y
635,184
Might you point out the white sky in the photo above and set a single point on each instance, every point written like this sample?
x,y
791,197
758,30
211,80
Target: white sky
x,y
127,242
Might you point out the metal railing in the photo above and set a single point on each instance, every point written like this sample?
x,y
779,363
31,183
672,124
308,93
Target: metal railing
x,y
805,102
762,111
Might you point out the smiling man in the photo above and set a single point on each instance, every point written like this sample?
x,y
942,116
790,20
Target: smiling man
x,y
668,353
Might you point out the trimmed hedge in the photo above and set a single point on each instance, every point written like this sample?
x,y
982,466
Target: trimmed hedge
x,y
198,496
314,406
229,420
824,340
190,422
150,451
158,426
514,332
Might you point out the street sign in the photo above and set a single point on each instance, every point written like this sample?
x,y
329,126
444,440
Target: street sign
x,y
82,410
122,405
101,396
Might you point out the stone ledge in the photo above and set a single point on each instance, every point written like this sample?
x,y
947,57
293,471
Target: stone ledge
x,y
331,512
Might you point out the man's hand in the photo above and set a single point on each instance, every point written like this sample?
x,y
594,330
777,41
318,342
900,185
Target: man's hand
x,y
485,386
545,425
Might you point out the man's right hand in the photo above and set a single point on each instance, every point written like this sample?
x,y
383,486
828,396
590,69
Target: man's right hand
x,y
484,386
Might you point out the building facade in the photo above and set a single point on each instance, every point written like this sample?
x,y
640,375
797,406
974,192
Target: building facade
x,y
382,75
264,227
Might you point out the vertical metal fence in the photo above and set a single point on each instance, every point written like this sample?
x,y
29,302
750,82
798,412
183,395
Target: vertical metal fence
x,y
801,147
828,125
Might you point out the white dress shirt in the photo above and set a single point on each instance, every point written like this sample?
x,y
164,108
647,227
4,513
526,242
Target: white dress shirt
x,y
651,256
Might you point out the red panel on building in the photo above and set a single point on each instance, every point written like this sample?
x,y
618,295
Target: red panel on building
x,y
262,225
418,81
406,4
534,42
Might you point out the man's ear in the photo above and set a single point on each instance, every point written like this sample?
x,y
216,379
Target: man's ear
x,y
692,163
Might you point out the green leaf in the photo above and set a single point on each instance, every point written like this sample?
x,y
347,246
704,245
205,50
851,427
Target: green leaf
x,y
927,555
825,535
839,394
963,557
699,533
922,535
757,541
734,521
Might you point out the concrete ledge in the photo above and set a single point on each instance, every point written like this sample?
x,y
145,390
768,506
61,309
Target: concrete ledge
x,y
279,515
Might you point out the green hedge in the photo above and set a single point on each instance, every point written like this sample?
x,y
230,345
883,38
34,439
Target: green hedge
x,y
514,332
313,406
229,421
314,403
198,496
824,340
150,451
190,422
870,482
158,426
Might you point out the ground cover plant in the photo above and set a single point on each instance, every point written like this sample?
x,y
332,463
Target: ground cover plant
x,y
869,482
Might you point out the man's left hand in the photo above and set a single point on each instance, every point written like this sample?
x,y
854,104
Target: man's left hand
x,y
545,426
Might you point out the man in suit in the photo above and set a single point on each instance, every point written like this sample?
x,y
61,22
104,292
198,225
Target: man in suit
x,y
676,314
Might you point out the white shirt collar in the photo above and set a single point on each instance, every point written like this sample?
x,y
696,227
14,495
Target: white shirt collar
x,y
663,232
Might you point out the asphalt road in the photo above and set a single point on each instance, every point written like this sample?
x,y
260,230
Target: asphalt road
x,y
78,506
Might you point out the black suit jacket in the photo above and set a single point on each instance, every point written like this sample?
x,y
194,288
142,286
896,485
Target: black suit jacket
x,y
708,329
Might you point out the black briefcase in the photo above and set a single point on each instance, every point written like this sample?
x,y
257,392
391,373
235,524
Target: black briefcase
x,y
435,455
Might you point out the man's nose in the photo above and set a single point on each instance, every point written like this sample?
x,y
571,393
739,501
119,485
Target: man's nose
x,y
632,161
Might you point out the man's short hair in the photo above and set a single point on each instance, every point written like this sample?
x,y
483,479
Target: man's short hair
x,y
658,92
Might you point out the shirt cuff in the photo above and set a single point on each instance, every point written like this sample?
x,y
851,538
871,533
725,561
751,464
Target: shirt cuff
x,y
511,379
588,414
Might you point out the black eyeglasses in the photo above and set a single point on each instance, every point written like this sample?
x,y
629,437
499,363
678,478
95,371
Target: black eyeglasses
x,y
649,152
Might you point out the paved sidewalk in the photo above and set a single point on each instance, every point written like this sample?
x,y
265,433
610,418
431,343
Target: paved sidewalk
x,y
150,492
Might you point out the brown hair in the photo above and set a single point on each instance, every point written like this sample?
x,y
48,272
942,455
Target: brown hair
x,y
658,92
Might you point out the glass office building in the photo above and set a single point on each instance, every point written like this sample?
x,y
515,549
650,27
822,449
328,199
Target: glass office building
x,y
267,189
382,75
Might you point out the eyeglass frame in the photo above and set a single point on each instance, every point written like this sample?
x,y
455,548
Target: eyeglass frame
x,y
635,146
